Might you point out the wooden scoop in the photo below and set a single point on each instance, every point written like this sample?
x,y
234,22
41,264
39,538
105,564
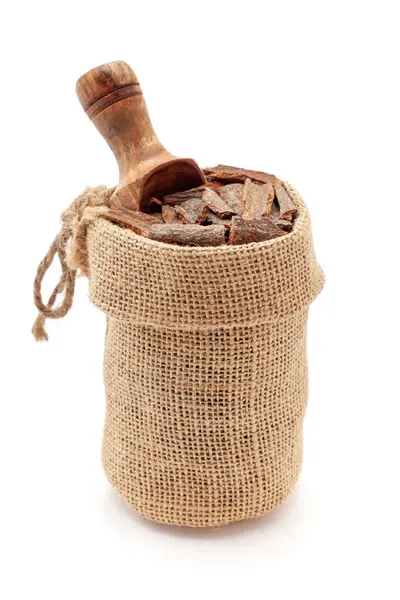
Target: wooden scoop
x,y
113,100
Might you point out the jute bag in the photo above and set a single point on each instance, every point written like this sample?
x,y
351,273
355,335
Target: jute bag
x,y
205,365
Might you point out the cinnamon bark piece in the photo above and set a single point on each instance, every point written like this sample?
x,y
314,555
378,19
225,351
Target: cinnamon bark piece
x,y
286,207
216,204
232,194
213,219
238,175
179,197
169,214
275,212
285,225
257,199
214,184
257,230
192,211
138,222
189,235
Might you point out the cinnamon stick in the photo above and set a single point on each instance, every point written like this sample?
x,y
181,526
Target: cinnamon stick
x,y
189,235
238,175
232,194
286,207
192,211
257,199
256,230
179,197
285,225
138,222
216,204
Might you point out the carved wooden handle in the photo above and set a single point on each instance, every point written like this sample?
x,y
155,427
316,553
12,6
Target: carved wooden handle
x,y
112,99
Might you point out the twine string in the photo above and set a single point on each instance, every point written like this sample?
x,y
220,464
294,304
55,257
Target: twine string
x,y
73,220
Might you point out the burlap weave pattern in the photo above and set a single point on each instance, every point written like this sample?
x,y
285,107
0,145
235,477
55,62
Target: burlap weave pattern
x,y
205,370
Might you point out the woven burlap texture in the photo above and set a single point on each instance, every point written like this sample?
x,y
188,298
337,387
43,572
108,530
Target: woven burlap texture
x,y
205,370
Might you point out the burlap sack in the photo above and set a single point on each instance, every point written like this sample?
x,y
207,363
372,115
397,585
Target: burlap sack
x,y
205,370
205,362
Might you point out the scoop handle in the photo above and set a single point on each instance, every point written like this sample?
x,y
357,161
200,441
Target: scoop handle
x,y
112,98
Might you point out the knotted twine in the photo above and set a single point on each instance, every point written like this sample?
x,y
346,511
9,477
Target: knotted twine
x,y
86,207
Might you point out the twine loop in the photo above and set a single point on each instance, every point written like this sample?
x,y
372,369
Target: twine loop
x,y
89,205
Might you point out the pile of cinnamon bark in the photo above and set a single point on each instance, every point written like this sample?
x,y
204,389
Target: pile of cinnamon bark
x,y
235,206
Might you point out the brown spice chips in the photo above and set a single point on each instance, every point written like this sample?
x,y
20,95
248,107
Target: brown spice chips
x,y
235,206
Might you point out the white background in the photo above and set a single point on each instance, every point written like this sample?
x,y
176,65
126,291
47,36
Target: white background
x,y
306,90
